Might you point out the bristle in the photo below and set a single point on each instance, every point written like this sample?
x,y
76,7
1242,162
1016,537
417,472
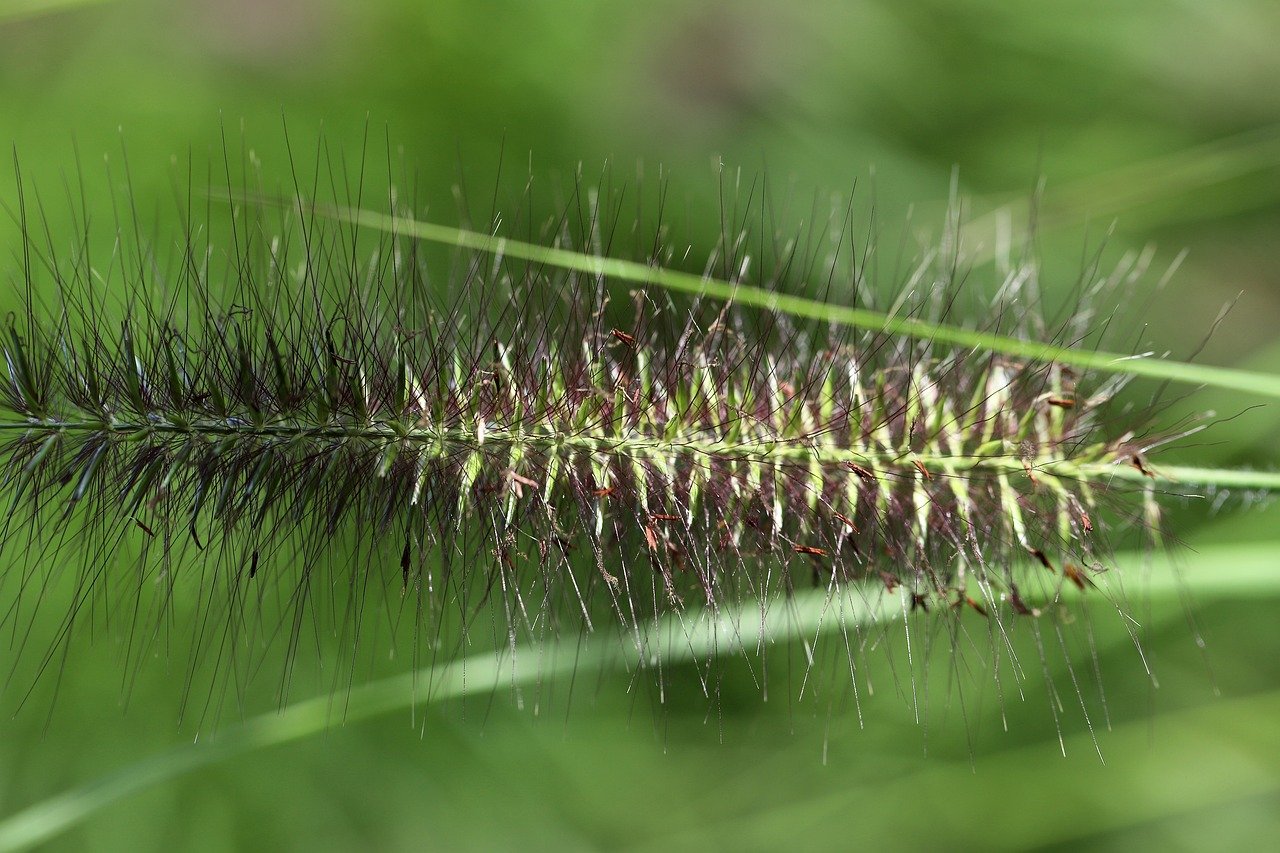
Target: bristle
x,y
537,437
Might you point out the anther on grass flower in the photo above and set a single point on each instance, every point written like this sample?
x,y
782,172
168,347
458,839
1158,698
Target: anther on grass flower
x,y
324,416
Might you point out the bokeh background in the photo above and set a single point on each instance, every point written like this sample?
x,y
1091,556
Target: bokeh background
x,y
1153,121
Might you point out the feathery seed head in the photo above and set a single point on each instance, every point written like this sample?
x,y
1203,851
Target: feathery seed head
x,y
536,441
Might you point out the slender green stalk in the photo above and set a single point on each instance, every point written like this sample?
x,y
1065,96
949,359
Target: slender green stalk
x,y
799,450
1215,572
1224,477
743,294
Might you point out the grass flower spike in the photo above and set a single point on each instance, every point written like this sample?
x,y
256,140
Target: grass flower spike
x,y
318,420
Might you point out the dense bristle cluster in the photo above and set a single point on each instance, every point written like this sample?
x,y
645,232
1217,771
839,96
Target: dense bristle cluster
x,y
711,454
531,439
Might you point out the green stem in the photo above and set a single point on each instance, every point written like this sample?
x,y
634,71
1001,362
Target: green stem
x,y
1215,572
1262,384
801,449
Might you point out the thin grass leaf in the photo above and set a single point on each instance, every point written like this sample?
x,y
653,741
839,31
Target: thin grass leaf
x,y
799,306
1214,572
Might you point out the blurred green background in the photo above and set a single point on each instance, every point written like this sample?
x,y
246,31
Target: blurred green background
x,y
1163,117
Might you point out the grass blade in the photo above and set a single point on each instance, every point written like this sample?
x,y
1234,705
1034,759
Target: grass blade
x,y
1261,384
1220,572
